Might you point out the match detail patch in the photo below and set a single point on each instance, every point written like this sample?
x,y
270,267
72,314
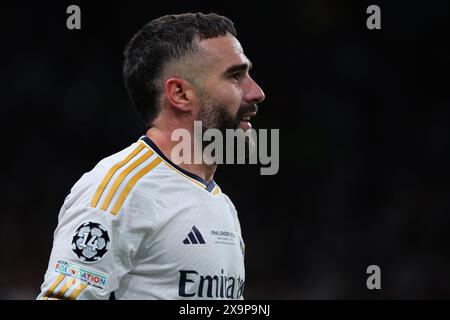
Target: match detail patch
x,y
90,242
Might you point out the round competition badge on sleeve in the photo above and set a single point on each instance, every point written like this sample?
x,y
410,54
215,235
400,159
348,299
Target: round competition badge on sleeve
x,y
90,242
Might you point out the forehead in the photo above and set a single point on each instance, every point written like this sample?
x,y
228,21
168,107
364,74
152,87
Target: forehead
x,y
222,52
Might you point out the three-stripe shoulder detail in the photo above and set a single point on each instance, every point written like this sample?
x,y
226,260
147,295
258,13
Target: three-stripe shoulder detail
x,y
130,163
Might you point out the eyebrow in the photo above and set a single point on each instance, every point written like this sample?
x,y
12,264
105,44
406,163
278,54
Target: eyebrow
x,y
238,68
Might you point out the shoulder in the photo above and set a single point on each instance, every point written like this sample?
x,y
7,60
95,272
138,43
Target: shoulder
x,y
228,202
111,194
115,179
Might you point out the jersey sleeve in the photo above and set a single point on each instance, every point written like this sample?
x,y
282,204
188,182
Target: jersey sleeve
x,y
92,251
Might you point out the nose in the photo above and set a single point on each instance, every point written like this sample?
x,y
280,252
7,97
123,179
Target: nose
x,y
254,93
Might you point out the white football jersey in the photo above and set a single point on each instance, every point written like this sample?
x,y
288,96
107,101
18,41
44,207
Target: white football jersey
x,y
140,227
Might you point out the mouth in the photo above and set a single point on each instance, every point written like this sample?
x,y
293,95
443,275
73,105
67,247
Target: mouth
x,y
244,122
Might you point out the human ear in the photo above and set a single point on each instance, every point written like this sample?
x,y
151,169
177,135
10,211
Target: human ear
x,y
179,93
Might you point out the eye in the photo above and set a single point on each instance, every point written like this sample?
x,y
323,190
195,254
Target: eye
x,y
237,75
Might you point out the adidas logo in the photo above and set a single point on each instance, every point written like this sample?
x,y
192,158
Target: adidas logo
x,y
194,237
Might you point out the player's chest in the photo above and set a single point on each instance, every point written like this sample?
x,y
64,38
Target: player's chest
x,y
202,234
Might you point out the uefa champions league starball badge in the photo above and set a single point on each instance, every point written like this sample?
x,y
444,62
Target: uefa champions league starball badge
x,y
90,242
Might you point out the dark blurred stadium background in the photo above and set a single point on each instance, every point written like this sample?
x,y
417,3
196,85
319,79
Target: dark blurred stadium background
x,y
364,126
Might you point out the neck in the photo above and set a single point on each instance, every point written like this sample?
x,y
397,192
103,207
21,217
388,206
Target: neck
x,y
162,138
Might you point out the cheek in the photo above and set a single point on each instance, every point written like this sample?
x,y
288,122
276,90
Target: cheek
x,y
231,96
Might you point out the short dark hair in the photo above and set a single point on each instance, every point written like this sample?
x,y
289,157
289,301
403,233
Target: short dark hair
x,y
160,41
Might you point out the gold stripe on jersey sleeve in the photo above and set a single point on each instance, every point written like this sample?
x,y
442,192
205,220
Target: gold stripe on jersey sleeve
x,y
53,286
122,176
216,190
111,172
65,287
60,295
77,291
132,182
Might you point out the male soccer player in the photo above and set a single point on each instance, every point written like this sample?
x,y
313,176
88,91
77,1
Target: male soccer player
x,y
138,226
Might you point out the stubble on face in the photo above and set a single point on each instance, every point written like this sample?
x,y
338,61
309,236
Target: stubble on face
x,y
214,114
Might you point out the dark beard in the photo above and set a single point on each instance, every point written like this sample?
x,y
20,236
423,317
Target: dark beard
x,y
215,115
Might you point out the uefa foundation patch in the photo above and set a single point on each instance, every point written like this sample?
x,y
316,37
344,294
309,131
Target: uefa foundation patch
x,y
87,276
